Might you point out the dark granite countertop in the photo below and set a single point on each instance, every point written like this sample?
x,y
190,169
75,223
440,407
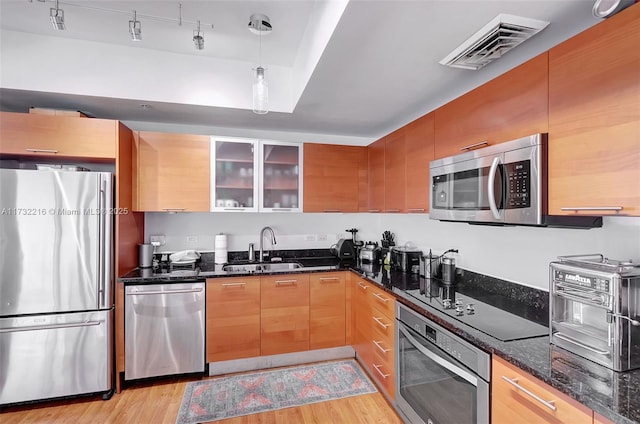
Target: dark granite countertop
x,y
615,395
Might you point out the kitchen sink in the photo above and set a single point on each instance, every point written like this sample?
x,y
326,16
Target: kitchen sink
x,y
262,267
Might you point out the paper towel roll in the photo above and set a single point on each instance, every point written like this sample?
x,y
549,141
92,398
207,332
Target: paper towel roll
x,y
221,249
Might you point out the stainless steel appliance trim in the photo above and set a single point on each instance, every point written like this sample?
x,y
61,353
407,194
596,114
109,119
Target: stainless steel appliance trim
x,y
42,151
490,183
582,345
437,359
593,208
514,382
142,292
475,145
49,327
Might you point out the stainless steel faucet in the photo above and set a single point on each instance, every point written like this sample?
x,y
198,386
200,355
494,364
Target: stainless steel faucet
x,y
273,240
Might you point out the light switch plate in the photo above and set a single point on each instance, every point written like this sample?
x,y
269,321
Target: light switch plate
x,y
157,239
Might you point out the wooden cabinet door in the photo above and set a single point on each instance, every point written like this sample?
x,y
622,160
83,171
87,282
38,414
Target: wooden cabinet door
x,y
29,134
594,119
331,177
233,318
419,151
394,172
511,106
376,170
172,172
327,313
517,397
284,314
363,179
361,318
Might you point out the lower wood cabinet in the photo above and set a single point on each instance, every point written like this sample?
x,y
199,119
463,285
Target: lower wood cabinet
x,y
327,313
374,333
284,314
233,318
518,397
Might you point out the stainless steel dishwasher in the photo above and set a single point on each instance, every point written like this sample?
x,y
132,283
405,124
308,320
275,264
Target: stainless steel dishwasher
x,y
164,329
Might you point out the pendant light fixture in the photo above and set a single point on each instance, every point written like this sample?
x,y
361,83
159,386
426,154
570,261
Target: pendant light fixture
x,y
135,28
56,15
259,24
198,38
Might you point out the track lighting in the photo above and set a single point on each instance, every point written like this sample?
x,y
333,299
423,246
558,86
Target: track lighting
x,y
56,15
198,38
135,28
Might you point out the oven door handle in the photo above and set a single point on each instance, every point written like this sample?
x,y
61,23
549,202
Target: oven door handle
x,y
490,183
437,359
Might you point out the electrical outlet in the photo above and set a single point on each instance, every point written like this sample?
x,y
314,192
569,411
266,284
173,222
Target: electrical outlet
x,y
157,239
310,237
192,239
322,237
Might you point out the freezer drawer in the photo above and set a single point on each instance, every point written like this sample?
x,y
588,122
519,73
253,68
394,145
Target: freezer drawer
x,y
48,356
164,329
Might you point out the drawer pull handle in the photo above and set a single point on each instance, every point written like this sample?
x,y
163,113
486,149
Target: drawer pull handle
x,y
174,209
514,382
392,210
382,298
42,151
415,210
233,284
473,146
332,210
379,346
362,285
382,324
329,278
234,209
377,367
593,208
374,210
288,282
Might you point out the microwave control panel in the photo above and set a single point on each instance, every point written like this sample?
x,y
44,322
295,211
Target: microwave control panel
x,y
519,184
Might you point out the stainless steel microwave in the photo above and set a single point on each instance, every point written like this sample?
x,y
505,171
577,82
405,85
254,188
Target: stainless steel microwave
x,y
503,184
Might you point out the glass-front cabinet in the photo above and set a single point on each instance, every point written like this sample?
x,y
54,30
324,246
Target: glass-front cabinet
x,y
234,176
249,175
280,177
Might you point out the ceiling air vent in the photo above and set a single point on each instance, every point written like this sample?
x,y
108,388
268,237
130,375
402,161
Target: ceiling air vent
x,y
496,38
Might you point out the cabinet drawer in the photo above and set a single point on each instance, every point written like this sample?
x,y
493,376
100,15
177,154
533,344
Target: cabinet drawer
x,y
383,301
382,350
382,324
384,375
520,397
285,290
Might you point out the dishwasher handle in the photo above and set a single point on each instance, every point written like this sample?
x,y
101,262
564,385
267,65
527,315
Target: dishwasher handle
x,y
141,293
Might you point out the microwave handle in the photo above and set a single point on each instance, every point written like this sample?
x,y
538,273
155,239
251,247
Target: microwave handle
x,y
490,183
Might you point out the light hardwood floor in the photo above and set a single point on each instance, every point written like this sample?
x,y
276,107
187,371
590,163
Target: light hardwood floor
x,y
159,402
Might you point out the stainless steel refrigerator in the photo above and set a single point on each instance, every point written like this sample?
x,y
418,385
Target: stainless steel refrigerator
x,y
56,284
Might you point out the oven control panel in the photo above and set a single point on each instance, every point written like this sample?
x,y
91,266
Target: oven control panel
x,y
582,280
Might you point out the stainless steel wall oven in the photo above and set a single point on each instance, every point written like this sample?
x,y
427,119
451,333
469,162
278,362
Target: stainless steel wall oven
x,y
440,378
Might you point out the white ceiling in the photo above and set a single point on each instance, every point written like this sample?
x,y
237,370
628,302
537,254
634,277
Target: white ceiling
x,y
362,70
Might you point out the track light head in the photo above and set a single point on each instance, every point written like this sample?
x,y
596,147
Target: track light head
x,y
135,28
56,15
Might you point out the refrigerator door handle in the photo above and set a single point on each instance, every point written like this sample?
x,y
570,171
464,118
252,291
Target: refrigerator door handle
x,y
49,326
101,240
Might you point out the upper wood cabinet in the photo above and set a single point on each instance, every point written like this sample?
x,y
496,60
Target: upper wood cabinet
x,y
517,397
594,119
376,171
419,151
172,172
511,106
332,177
28,134
394,171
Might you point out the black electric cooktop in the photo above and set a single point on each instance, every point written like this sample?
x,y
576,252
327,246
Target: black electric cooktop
x,y
476,313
